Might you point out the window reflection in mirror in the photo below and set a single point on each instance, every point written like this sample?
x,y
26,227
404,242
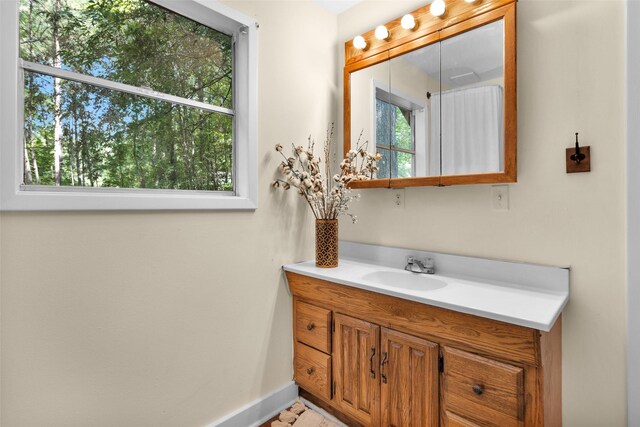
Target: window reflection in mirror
x,y
395,134
414,144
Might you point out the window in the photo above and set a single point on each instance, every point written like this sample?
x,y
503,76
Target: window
x,y
394,140
129,104
398,121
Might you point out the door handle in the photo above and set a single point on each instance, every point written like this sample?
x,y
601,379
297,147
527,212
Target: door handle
x,y
382,362
371,371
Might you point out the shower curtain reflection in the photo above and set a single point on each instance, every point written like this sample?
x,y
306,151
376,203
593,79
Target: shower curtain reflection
x,y
472,126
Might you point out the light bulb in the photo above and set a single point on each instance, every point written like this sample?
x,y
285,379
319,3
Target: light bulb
x,y
359,42
470,1
382,33
408,22
437,8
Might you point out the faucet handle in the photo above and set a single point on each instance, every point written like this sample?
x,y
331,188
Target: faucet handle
x,y
410,259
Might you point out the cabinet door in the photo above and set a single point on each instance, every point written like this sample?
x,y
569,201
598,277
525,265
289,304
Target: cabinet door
x,y
356,368
409,376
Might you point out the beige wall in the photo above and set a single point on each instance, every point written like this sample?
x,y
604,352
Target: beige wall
x,y
135,319
570,79
169,318
362,113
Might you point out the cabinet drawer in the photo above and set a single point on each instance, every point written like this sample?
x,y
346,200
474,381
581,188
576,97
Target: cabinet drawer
x,y
482,390
312,370
453,420
313,326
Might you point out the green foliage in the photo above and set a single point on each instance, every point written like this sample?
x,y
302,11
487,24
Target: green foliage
x,y
404,161
114,139
393,132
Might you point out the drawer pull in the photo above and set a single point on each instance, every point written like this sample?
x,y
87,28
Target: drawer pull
x,y
310,326
309,371
478,389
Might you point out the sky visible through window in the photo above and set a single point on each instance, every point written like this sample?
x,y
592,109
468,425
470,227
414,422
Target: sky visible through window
x,y
76,134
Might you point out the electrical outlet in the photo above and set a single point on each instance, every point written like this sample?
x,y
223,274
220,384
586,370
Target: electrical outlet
x,y
398,198
500,197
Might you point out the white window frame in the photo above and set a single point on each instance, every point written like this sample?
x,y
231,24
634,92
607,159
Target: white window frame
x,y
418,131
15,197
633,210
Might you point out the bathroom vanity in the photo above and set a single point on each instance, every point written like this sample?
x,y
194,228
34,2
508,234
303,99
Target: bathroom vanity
x,y
379,346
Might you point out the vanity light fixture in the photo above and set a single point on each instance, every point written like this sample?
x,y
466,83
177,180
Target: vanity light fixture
x,y
382,33
359,43
408,22
438,8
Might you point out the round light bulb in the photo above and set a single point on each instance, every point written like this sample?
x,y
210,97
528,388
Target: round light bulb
x,y
382,33
408,22
437,8
470,1
359,42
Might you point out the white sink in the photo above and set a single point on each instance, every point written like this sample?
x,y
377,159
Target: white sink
x,y
405,280
527,295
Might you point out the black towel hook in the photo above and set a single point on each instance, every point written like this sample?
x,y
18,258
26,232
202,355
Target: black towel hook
x,y
577,156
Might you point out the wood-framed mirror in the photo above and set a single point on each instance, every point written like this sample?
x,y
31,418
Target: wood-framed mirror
x,y
437,101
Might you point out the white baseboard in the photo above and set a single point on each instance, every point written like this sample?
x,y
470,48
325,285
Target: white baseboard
x,y
260,410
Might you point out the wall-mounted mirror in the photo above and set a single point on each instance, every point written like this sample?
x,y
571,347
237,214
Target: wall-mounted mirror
x,y
439,106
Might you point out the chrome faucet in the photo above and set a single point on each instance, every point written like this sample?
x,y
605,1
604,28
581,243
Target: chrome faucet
x,y
416,266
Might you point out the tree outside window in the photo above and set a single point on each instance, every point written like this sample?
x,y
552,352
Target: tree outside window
x,y
394,140
125,94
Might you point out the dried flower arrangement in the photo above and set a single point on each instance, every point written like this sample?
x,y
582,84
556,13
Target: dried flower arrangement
x,y
328,196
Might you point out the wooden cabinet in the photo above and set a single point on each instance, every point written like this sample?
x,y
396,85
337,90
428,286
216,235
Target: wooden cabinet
x,y
453,420
356,345
384,377
311,350
409,380
376,360
313,370
312,326
483,390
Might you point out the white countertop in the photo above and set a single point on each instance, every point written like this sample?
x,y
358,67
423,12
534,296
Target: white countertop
x,y
516,302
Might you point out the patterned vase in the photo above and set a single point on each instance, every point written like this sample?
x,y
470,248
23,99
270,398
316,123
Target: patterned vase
x,y
326,243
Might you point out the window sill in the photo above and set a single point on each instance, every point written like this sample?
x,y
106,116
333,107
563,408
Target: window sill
x,y
123,200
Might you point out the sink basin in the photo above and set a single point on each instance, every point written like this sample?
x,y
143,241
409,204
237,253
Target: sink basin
x,y
405,280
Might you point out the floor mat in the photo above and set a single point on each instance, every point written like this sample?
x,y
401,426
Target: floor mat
x,y
301,416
